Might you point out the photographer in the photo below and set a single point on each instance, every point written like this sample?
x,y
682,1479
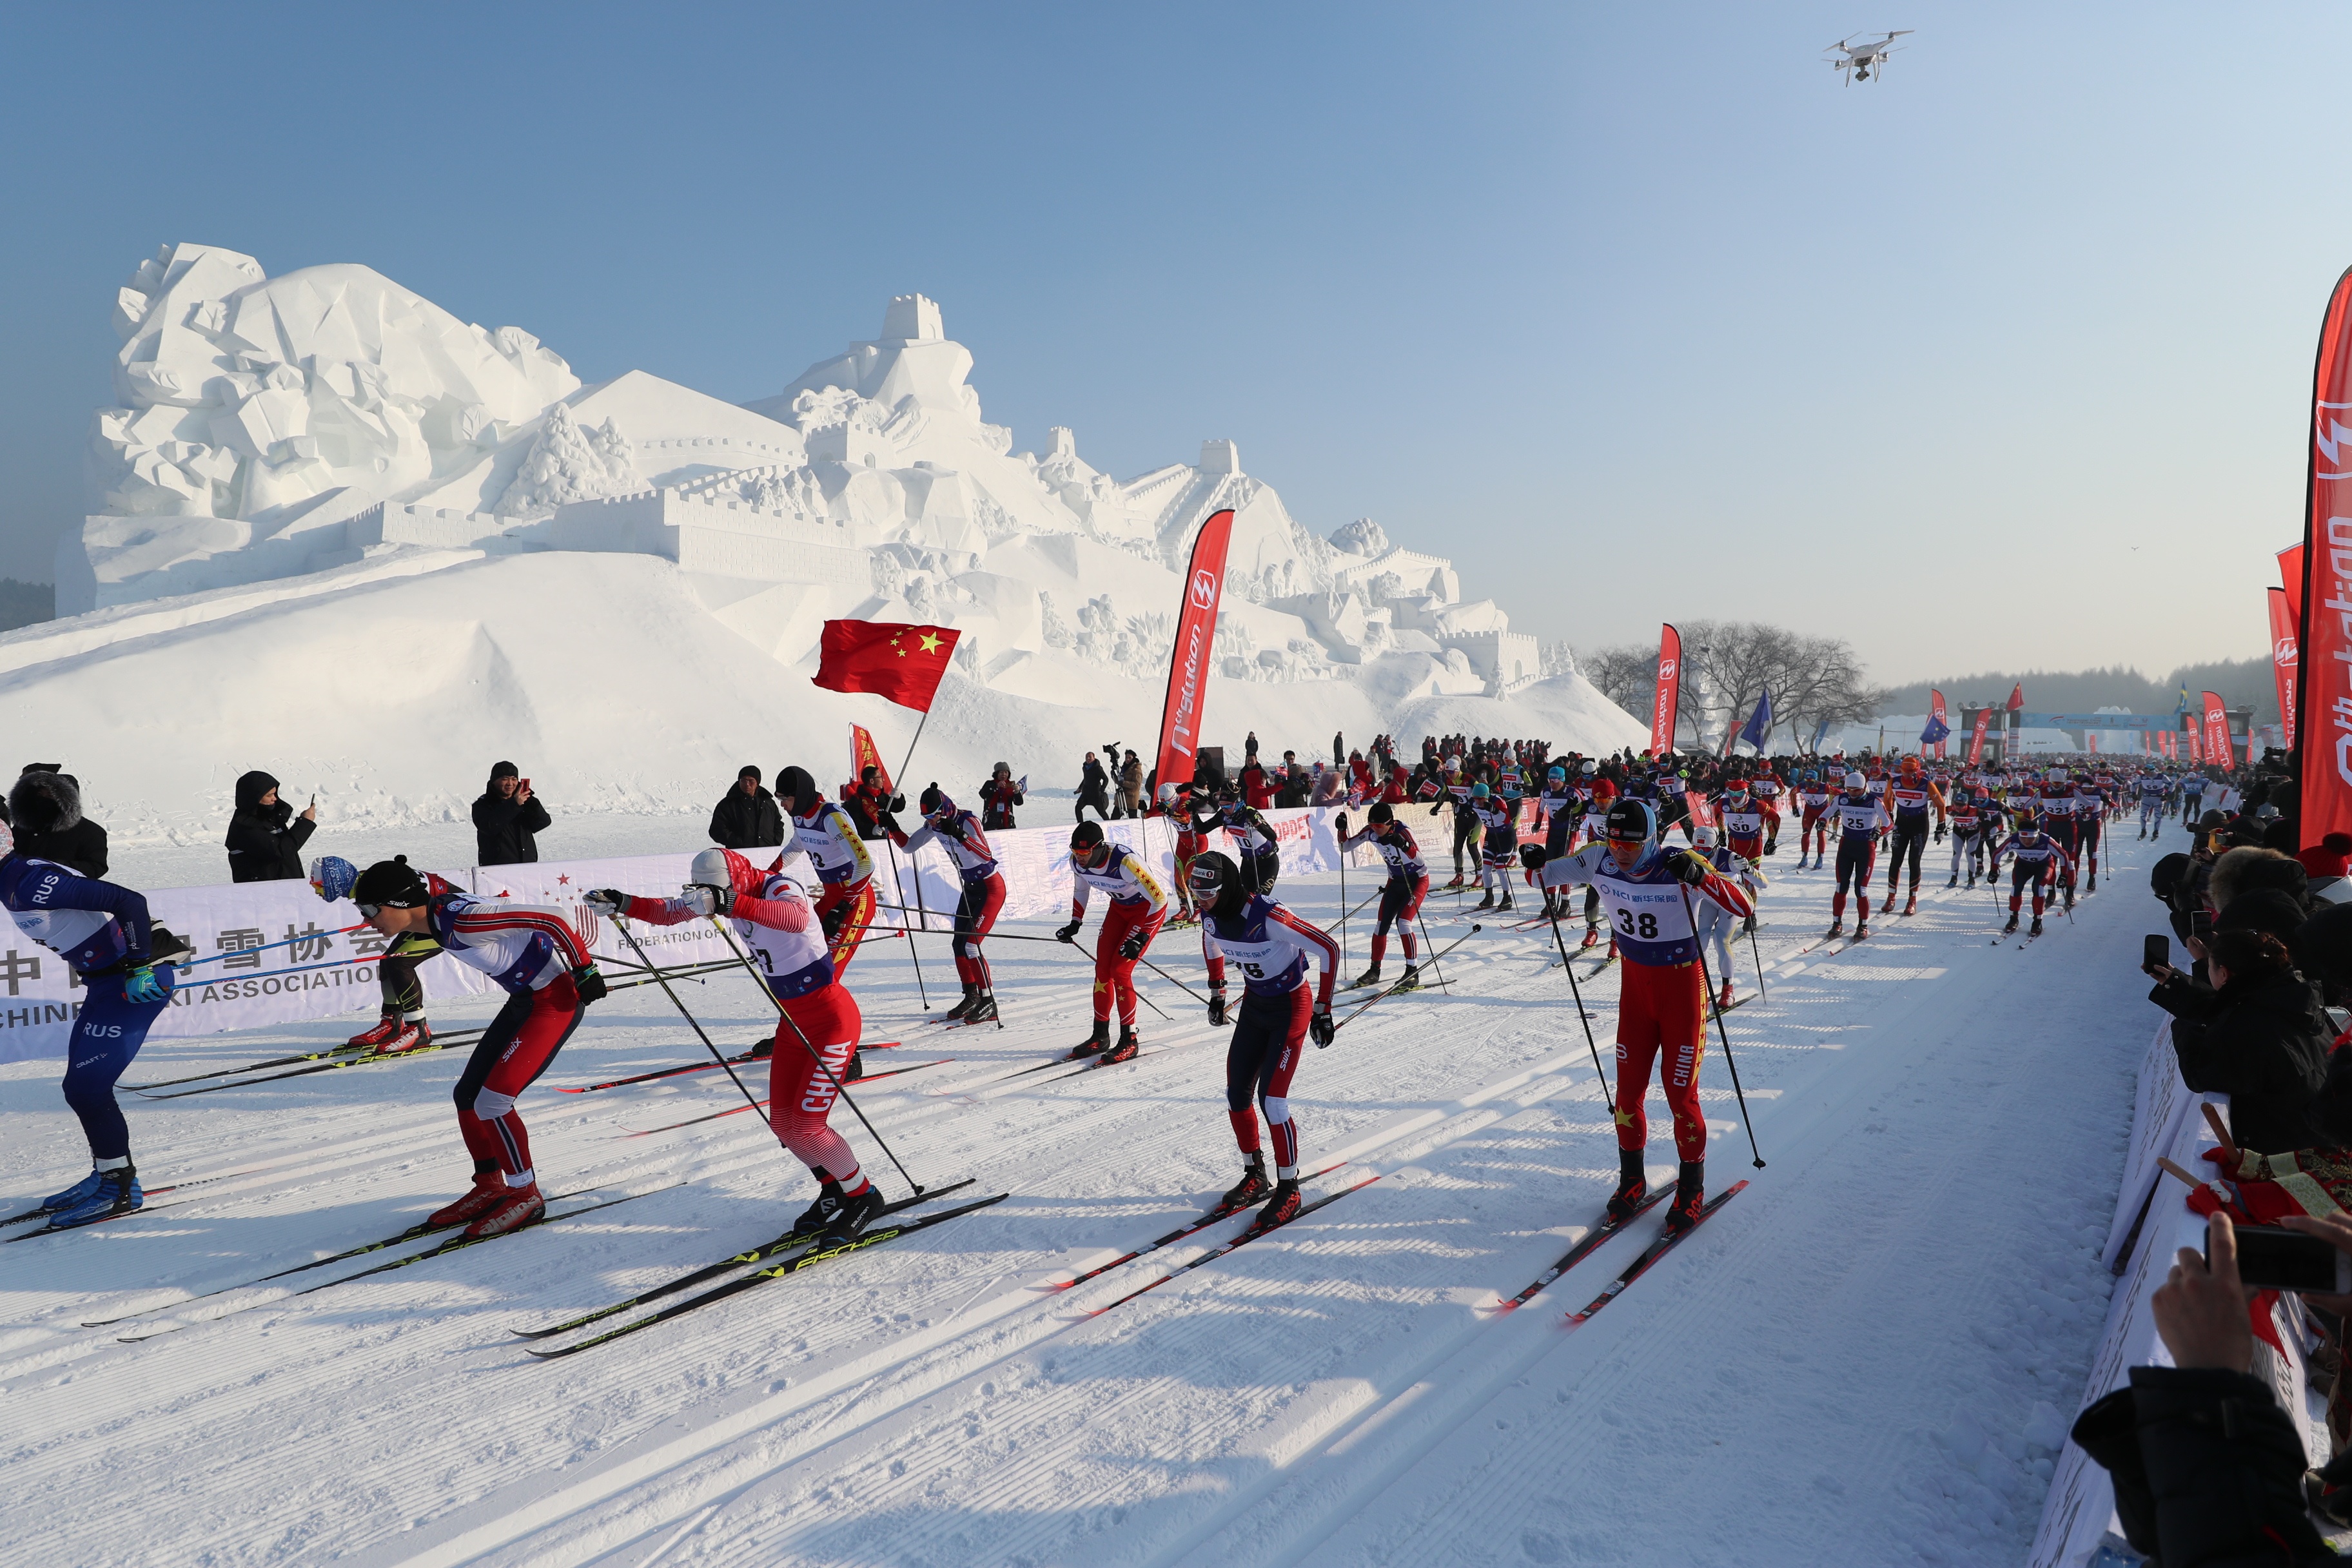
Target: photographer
x,y
506,819
265,838
998,796
2207,1468
2257,1034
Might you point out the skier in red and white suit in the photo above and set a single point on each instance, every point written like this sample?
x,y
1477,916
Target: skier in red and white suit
x,y
823,831
775,914
959,832
1766,790
1744,820
1138,906
1648,890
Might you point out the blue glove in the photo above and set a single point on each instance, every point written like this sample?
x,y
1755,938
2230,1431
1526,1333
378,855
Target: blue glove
x,y
140,985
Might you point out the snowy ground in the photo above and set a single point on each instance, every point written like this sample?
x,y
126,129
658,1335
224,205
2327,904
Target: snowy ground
x,y
1841,1367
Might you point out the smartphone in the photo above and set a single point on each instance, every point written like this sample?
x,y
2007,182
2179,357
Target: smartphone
x,y
2156,952
2200,925
2271,1257
526,784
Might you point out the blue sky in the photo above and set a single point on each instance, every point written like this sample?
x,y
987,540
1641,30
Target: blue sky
x,y
1635,311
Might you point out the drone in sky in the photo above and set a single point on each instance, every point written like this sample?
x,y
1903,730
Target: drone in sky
x,y
1855,61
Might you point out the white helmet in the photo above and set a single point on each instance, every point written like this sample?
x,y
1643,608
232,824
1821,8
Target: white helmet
x,y
710,870
1703,835
1854,779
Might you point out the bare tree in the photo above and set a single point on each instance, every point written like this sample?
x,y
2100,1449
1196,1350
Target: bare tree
x,y
1627,674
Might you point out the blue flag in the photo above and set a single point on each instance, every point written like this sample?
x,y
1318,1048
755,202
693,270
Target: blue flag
x,y
1760,723
1820,732
1936,730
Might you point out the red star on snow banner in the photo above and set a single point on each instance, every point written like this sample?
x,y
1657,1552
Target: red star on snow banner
x,y
901,663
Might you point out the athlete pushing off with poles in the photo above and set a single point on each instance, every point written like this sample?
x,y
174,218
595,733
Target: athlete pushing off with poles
x,y
1400,895
1661,1013
1279,1013
539,961
984,894
2040,858
774,913
1858,819
1137,906
823,831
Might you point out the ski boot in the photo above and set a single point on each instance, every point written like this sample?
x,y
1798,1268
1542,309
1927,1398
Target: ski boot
x,y
1690,1196
408,1034
983,1009
1457,882
116,1191
1250,1188
1125,1048
2035,929
971,996
1911,905
1862,930
1633,1185
1504,907
1093,1044
1955,882
2092,886
1282,1205
78,1194
511,1209
1368,977
1410,979
1550,908
490,1187
1488,902
2010,929
856,1068
858,1211
1724,1000
819,1215
1591,938
1837,928
373,1039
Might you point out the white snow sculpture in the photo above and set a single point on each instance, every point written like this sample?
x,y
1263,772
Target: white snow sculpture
x,y
1362,537
569,464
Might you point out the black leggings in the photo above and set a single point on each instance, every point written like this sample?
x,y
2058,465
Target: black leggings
x,y
1910,838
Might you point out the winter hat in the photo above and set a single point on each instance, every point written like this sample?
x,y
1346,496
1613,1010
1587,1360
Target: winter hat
x,y
389,884
796,785
44,803
748,771
2244,870
503,771
332,877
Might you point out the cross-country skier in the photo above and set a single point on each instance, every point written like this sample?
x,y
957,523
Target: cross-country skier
x,y
1765,787
1279,1011
401,1024
1814,799
1912,796
1661,1006
775,914
1400,895
2039,857
1743,820
1255,849
1189,843
827,835
1138,906
2090,821
1500,846
2192,798
102,931
1716,925
1858,820
2153,786
984,894
1467,832
1974,819
539,961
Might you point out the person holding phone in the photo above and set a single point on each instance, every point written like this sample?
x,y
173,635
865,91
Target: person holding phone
x,y
507,819
2257,1033
265,838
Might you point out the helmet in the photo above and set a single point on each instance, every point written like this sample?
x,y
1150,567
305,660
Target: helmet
x,y
1086,841
1630,821
1380,813
713,867
1211,876
1855,780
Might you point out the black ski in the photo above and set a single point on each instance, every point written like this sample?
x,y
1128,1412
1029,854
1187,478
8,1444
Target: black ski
x,y
1665,1243
1244,1240
1222,1211
1592,1242
760,1254
756,1053
785,1269
341,1056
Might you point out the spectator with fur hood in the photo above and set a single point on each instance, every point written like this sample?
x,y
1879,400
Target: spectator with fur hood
x,y
2257,1033
80,844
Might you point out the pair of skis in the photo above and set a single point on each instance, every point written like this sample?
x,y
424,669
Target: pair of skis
x,y
1608,1230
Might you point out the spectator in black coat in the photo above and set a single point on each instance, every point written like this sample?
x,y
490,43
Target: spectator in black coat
x,y
748,817
2258,1035
506,818
81,846
998,796
265,838
1094,789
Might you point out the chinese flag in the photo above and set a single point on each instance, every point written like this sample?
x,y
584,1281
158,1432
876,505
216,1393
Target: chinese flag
x,y
2017,697
900,662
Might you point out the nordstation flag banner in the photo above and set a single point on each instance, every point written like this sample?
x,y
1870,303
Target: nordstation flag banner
x,y
2217,732
1180,715
902,663
2325,634
1670,687
2282,656
1976,736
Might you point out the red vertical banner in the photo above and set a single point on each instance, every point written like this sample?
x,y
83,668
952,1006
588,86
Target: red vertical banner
x,y
1936,709
2193,739
2091,741
2290,562
2324,603
2283,661
1976,736
2217,732
1188,667
865,754
1670,691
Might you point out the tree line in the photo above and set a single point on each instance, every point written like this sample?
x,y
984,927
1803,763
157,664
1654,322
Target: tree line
x,y
1727,666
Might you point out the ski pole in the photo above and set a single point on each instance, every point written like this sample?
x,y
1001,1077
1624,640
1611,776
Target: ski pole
x,y
1139,993
1391,990
920,993
1440,974
621,924
265,947
1756,949
745,960
1721,1033
1343,903
1600,1075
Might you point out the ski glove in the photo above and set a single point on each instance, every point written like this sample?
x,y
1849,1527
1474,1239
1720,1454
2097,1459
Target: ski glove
x,y
1132,948
1217,1014
1687,867
608,901
1068,933
140,985
704,900
1320,1027
589,981
1342,826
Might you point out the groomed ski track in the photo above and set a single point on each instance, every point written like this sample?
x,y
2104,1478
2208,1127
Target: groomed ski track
x,y
1839,1367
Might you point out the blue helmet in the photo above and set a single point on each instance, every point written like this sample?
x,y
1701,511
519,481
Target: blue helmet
x,y
332,877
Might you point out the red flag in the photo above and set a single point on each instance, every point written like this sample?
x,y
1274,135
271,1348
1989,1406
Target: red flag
x,y
1977,735
2324,627
902,663
2283,656
2091,738
2017,697
1936,707
2290,562
865,754
2217,732
1670,690
1188,666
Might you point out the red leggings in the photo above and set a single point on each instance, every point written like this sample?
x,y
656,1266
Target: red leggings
x,y
1661,1006
975,916
1113,975
515,1049
799,1097
1259,1062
